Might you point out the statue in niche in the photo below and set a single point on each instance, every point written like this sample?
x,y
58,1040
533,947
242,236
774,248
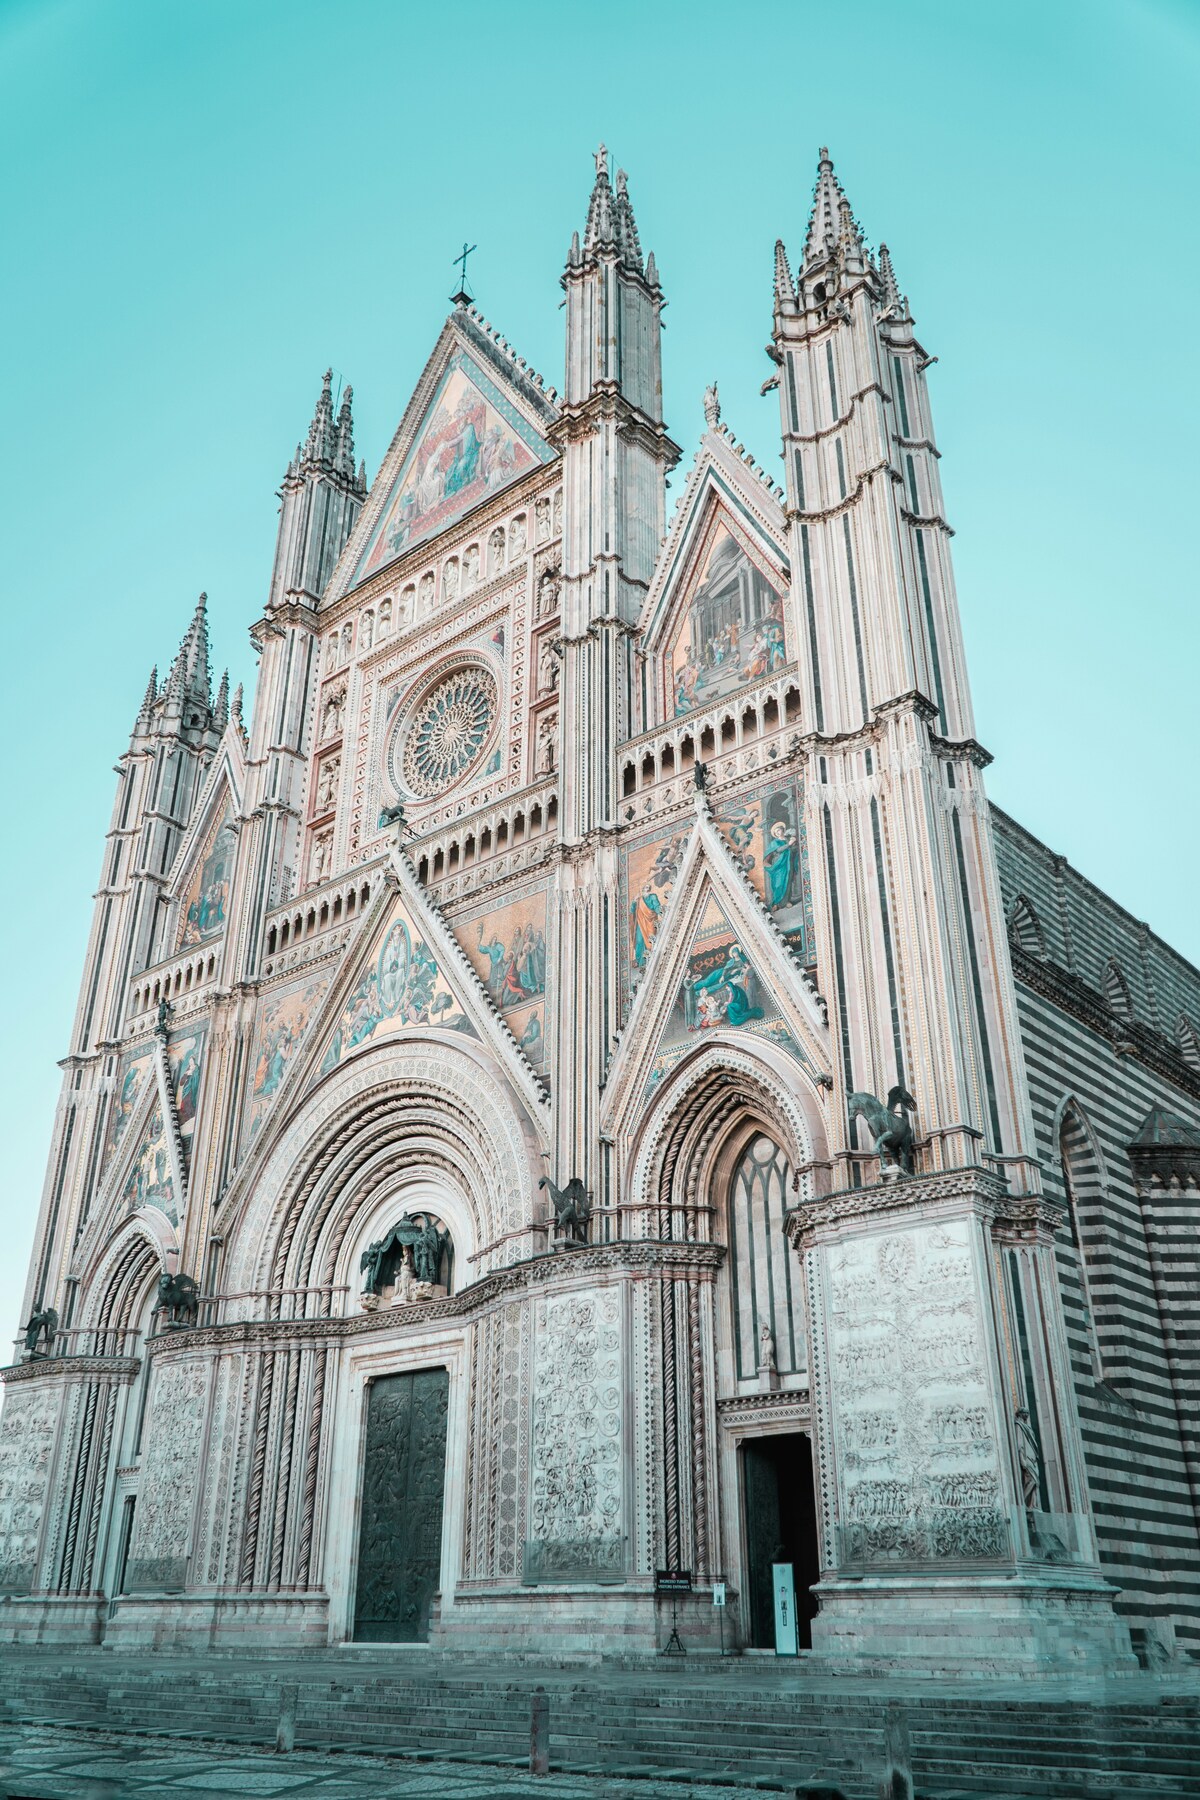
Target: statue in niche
x,y
571,1208
366,636
541,521
496,550
548,666
470,565
179,1298
428,1250
766,1349
404,1265
334,712
331,644
385,617
327,782
1029,1458
425,592
516,536
321,850
347,639
546,754
558,512
450,580
548,592
408,601
890,1128
40,1329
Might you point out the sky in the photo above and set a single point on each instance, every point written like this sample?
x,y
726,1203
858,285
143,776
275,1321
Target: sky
x,y
203,205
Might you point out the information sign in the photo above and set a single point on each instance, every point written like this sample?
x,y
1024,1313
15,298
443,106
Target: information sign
x,y
784,1587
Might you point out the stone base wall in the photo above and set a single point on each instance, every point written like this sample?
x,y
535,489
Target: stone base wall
x,y
216,1622
584,1621
982,1627
53,1619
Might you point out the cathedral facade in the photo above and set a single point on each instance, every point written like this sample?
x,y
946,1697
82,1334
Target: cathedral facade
x,y
580,1084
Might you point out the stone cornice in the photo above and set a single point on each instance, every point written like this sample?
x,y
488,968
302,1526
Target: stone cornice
x,y
119,1369
967,1189
1129,1037
639,1258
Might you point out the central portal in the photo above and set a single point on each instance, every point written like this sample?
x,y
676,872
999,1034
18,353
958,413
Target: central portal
x,y
404,1479
781,1526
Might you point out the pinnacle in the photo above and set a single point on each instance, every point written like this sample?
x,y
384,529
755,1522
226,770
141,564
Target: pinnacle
x,y
343,460
320,445
610,220
831,220
785,293
221,707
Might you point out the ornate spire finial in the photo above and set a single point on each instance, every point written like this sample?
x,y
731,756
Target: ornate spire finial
x,y
784,291
712,406
602,162
320,445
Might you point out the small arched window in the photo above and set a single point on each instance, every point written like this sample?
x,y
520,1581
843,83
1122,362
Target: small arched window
x,y
1116,990
1188,1040
1025,929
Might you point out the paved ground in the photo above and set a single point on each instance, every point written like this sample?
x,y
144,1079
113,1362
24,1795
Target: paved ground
x,y
87,1765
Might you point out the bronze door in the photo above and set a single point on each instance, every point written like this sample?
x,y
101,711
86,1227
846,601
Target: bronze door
x,y
400,1535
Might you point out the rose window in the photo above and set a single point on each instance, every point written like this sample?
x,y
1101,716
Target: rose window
x,y
447,731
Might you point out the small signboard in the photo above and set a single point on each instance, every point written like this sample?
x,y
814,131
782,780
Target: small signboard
x,y
718,1593
672,1581
783,1586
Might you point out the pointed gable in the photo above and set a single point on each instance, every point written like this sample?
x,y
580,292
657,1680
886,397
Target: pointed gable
x,y
470,431
714,618
716,964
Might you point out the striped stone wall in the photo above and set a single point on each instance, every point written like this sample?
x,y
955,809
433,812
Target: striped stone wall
x,y
1102,1051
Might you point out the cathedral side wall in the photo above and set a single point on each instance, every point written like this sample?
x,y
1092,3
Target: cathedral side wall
x,y
1131,1308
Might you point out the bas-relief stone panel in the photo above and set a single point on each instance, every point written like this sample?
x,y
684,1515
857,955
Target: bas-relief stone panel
x,y
576,1459
910,1419
27,1429
172,1476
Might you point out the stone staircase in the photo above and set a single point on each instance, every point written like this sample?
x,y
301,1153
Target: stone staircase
x,y
748,1722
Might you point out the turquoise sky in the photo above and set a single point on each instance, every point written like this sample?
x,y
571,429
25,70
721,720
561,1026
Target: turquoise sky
x,y
203,204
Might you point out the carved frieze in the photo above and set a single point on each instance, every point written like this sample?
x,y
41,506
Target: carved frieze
x,y
174,1437
907,1410
27,1431
577,1512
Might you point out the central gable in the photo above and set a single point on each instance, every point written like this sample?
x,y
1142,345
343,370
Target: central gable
x,y
471,442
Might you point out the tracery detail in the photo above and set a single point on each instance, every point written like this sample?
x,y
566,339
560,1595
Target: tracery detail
x,y
447,731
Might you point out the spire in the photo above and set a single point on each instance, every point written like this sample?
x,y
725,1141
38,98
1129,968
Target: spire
x,y
321,435
627,232
831,223
197,672
343,459
146,709
221,708
235,709
785,293
600,228
894,302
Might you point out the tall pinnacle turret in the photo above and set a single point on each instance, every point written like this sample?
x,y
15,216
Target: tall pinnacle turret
x,y
321,496
322,435
191,673
832,225
610,220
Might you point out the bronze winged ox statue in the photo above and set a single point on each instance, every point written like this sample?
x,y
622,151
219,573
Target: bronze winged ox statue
x,y
571,1209
889,1125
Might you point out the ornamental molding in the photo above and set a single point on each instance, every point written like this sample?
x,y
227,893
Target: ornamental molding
x,y
785,1406
967,1189
865,480
828,431
566,1270
118,1371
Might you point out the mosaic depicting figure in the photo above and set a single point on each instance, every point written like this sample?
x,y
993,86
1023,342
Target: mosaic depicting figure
x,y
732,632
646,906
467,448
405,987
209,895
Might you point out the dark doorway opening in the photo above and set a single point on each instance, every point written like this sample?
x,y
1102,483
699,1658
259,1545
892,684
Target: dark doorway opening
x,y
781,1526
400,1534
